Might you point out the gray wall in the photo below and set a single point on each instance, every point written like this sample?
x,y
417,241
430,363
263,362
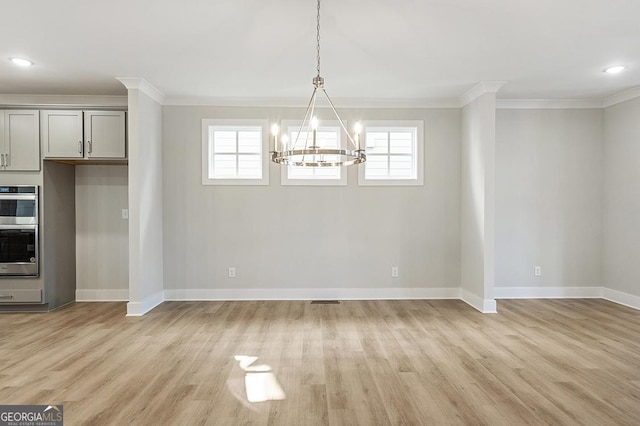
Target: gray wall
x,y
549,197
622,197
567,199
280,237
59,244
102,245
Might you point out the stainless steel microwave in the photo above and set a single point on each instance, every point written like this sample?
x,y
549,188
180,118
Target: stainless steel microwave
x,y
19,230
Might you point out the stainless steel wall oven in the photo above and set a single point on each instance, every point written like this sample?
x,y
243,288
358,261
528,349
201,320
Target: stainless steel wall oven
x,y
19,230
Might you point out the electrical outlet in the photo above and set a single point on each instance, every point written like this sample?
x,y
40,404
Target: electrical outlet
x,y
395,272
232,272
125,213
537,271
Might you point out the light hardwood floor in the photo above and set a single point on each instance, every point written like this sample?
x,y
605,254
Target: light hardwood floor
x,y
557,362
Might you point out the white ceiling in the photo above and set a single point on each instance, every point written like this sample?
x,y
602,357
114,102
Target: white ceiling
x,y
377,49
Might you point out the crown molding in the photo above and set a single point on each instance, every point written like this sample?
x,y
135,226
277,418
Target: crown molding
x,y
480,89
624,96
234,102
116,101
548,103
144,86
301,103
63,101
472,94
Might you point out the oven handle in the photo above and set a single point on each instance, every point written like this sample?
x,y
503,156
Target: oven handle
x,y
5,196
20,227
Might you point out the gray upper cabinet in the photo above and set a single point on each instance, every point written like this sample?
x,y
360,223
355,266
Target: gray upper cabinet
x,y
19,140
104,134
84,134
62,134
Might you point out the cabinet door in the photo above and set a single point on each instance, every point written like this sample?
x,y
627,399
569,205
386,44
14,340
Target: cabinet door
x,y
21,140
104,134
62,134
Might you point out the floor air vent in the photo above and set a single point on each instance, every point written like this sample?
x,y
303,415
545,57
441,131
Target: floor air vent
x,y
325,302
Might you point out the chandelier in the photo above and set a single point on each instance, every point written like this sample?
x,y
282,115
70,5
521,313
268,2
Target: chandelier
x,y
304,151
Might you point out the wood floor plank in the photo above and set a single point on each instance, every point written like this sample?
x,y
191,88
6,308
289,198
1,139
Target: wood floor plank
x,y
414,362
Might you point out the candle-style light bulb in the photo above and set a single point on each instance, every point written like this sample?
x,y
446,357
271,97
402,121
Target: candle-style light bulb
x,y
275,129
285,141
314,126
358,129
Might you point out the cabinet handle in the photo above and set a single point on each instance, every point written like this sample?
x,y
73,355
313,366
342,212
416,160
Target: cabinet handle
x,y
6,296
90,147
79,147
6,160
1,160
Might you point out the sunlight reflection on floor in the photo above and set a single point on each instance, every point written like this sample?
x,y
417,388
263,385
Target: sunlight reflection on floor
x,y
260,382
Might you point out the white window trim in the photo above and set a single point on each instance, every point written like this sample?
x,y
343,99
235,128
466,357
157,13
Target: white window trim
x,y
264,124
419,179
284,173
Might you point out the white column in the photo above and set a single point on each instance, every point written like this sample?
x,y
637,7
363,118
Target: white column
x,y
146,283
477,275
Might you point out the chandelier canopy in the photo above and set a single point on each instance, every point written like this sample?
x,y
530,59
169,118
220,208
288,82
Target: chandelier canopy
x,y
304,151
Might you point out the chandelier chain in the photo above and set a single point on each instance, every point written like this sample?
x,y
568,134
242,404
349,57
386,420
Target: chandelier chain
x,y
318,38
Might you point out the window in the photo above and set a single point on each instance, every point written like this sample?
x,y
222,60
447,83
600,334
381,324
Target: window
x,y
328,135
394,153
233,152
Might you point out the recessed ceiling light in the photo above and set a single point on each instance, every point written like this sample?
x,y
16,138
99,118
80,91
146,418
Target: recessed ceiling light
x,y
615,70
21,62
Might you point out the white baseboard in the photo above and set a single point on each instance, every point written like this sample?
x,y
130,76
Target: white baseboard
x,y
312,294
482,305
102,295
489,306
621,298
486,306
137,309
547,292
